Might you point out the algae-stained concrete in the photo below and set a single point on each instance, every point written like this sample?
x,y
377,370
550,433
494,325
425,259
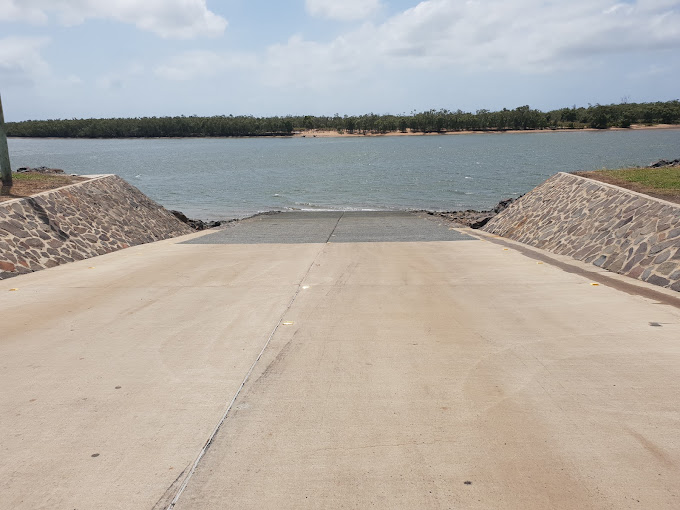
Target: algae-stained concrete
x,y
398,373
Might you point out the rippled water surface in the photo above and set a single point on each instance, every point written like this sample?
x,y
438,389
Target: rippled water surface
x,y
226,178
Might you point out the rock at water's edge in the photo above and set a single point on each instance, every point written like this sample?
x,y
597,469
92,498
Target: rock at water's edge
x,y
663,163
476,219
195,224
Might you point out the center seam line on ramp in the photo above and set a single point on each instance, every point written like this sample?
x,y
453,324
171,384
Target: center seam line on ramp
x,y
335,227
245,380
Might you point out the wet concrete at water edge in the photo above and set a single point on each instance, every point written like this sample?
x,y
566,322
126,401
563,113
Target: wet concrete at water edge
x,y
300,227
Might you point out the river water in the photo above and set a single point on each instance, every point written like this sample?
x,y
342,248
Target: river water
x,y
230,178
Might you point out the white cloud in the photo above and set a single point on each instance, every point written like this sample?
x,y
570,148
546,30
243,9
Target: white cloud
x,y
530,36
451,38
20,60
15,10
73,79
202,64
119,79
345,10
182,19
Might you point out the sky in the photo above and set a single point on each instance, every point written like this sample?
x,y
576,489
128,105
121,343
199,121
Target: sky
x,y
133,58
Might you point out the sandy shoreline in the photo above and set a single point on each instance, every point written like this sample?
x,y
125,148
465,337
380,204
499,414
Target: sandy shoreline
x,y
329,133
321,133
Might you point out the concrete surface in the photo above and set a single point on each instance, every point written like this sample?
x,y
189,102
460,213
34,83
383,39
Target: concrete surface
x,y
398,375
332,226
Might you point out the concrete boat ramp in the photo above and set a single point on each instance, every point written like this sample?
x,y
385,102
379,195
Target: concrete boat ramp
x,y
338,360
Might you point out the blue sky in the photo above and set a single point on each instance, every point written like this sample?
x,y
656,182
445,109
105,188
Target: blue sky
x,y
105,58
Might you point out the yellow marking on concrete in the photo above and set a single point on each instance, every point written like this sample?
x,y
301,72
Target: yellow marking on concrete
x,y
288,323
13,290
595,284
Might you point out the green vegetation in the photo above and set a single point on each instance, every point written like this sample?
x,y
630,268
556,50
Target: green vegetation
x,y
432,121
655,178
28,184
662,182
33,176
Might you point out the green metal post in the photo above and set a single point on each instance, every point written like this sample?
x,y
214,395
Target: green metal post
x,y
5,168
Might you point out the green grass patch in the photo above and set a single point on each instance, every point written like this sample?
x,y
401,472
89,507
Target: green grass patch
x,y
35,177
655,178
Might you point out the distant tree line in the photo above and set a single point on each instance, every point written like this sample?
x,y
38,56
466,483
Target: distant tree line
x,y
432,121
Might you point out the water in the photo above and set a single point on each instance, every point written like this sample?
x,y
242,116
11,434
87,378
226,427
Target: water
x,y
229,178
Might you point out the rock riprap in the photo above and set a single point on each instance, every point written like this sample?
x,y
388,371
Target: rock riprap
x,y
476,219
195,224
79,221
614,228
665,163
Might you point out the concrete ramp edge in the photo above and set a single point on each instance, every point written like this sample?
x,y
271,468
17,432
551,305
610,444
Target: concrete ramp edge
x,y
76,222
613,228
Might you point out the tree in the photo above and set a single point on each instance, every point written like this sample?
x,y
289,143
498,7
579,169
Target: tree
x,y
439,121
599,118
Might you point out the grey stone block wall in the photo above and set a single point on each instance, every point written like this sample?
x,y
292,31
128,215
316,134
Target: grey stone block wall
x,y
76,222
611,227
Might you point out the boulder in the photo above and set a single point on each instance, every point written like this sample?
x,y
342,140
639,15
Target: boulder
x,y
195,224
662,163
476,219
180,216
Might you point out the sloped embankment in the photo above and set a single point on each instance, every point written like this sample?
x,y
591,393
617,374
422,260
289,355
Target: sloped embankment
x,y
611,227
76,222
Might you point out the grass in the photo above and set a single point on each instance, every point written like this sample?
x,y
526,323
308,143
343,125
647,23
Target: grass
x,y
30,176
657,182
656,178
27,184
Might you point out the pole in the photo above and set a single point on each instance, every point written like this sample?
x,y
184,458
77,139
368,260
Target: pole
x,y
5,168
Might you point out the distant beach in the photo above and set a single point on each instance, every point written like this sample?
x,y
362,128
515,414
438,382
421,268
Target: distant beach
x,y
329,133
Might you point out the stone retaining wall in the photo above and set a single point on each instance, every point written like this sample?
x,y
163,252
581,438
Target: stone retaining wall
x,y
76,222
613,228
